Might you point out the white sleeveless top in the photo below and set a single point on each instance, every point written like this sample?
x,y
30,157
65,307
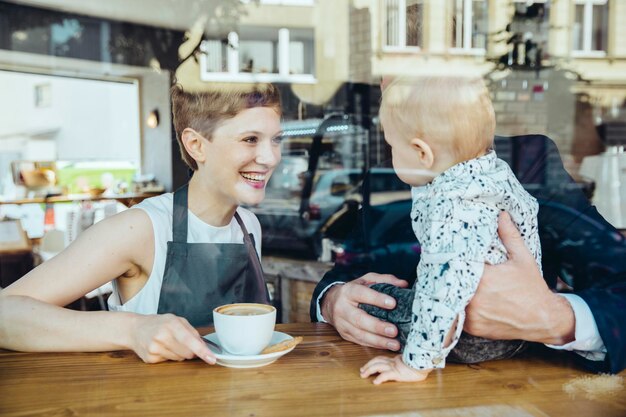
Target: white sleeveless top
x,y
160,211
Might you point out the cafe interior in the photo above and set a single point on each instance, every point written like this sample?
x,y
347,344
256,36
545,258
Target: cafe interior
x,y
86,132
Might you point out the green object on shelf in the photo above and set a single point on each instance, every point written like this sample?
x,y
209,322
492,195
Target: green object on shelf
x,y
79,177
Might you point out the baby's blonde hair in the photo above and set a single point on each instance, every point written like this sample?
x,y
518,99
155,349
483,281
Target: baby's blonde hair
x,y
450,111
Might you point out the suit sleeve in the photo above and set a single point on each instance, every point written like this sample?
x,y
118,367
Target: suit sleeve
x,y
583,249
586,252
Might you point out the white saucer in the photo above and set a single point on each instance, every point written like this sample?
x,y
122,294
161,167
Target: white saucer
x,y
251,361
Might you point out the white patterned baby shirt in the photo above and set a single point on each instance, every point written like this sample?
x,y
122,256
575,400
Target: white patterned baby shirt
x,y
455,219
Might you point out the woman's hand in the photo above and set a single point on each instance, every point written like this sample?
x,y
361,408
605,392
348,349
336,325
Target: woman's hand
x,y
340,307
163,337
513,301
392,369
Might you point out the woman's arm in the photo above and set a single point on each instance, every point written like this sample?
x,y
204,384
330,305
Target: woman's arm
x,y
32,319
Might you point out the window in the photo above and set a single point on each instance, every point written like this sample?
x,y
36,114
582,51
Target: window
x,y
469,25
403,24
589,31
260,55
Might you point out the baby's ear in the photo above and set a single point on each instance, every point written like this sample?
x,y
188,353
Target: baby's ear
x,y
424,152
192,141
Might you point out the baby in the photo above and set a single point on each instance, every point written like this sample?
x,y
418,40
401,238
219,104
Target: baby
x,y
441,130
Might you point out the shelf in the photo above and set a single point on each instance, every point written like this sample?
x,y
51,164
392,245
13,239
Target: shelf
x,y
126,199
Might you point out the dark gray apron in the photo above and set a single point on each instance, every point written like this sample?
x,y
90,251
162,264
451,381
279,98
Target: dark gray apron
x,y
201,276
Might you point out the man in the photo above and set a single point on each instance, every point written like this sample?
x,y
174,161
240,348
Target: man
x,y
513,300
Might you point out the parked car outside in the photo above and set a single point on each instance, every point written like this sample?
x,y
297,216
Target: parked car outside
x,y
286,181
285,226
390,234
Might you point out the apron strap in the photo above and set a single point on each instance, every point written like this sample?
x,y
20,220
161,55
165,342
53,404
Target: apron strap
x,y
252,253
179,217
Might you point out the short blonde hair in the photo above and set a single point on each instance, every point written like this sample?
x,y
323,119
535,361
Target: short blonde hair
x,y
452,111
204,111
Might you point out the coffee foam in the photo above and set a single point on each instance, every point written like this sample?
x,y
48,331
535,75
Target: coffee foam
x,y
244,309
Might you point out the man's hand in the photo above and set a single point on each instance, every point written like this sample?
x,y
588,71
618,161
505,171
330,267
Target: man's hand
x,y
340,307
513,301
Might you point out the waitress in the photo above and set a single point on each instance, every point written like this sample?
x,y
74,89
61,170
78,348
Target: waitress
x,y
172,258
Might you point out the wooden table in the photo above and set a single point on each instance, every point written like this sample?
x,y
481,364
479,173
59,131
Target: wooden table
x,y
319,378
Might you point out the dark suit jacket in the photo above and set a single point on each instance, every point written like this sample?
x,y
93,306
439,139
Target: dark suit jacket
x,y
578,245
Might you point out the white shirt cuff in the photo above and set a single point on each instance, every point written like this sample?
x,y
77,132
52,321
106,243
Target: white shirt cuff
x,y
321,318
587,341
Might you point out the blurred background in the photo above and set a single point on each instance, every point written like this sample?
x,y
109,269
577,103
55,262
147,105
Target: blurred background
x,y
85,125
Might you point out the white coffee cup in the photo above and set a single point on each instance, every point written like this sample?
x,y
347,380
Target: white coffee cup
x,y
244,328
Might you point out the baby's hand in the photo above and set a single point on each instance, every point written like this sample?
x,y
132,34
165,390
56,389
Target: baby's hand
x,y
392,369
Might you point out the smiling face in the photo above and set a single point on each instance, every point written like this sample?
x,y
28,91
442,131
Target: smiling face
x,y
241,156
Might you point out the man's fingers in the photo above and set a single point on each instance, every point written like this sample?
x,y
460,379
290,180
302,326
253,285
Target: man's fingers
x,y
378,342
353,324
366,330
374,278
361,327
511,237
361,294
367,338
